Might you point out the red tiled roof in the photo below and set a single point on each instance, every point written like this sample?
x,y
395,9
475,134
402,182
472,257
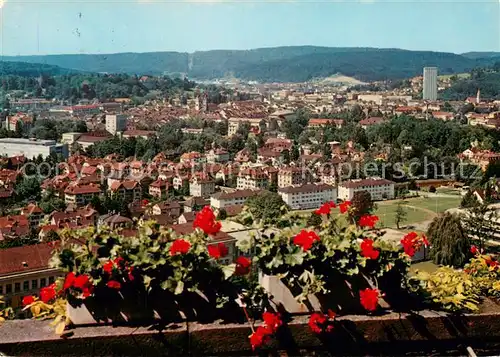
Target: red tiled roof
x,y
366,182
187,228
25,259
77,189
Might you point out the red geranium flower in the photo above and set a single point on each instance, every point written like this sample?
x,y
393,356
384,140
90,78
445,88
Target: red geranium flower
x,y
118,261
344,206
217,251
113,284
108,267
69,281
272,321
490,262
474,250
205,220
319,322
28,300
243,266
305,239
367,249
368,221
316,322
259,337
180,246
83,283
411,243
325,208
48,293
369,298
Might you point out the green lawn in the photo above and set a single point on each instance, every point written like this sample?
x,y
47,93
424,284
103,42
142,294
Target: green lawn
x,y
387,214
436,204
429,207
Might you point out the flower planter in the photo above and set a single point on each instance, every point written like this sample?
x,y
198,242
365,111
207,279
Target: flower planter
x,y
282,295
80,315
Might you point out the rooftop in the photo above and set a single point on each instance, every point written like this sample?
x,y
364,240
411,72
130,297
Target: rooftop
x,y
20,141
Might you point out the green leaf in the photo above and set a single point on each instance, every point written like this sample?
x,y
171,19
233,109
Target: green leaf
x,y
228,270
179,288
294,258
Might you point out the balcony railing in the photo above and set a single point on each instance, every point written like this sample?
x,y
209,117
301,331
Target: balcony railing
x,y
426,333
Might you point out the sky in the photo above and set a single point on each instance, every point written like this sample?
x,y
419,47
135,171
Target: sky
x,y
38,27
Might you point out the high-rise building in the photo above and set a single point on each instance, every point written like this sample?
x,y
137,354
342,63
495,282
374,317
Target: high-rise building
x,y
430,83
116,123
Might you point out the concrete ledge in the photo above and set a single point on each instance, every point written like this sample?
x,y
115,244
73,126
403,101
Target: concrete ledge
x,y
425,333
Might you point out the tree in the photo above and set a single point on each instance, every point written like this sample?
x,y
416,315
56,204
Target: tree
x,y
401,214
449,241
267,207
480,223
50,203
295,154
28,189
222,214
285,154
361,204
469,200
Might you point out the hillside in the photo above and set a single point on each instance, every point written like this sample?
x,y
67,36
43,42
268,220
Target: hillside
x,y
487,80
24,69
277,64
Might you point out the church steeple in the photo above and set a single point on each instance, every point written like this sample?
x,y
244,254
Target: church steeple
x,y
478,96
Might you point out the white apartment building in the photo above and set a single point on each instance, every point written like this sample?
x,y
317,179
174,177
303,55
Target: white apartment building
x,y
308,196
430,83
223,199
116,123
253,178
31,147
201,186
235,123
379,188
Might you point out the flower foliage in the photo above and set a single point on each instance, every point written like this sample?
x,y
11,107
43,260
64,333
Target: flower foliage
x,y
157,267
332,260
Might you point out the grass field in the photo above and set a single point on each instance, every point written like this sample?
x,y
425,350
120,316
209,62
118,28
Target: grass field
x,y
418,209
387,214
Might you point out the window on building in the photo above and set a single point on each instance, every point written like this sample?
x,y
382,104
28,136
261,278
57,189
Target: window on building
x,y
8,288
43,282
1,289
17,287
34,284
26,285
51,280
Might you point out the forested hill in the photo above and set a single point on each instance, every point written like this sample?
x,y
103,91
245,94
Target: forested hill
x,y
24,69
485,79
277,64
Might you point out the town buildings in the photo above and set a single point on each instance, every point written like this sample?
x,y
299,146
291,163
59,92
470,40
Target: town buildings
x,y
224,199
308,196
430,83
378,188
31,148
116,123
